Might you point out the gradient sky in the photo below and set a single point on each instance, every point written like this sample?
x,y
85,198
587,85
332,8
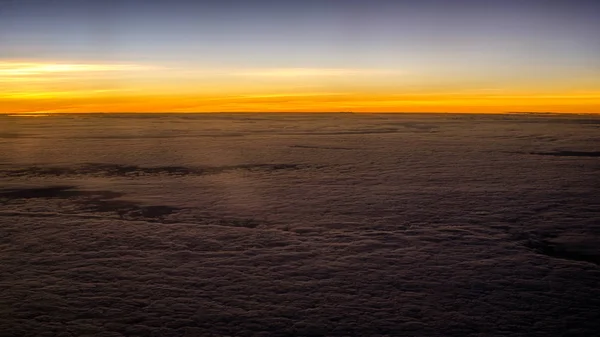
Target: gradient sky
x,y
328,55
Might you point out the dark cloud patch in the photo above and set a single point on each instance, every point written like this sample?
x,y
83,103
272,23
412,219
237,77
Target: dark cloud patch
x,y
365,131
160,136
424,127
127,209
10,135
64,191
575,251
569,153
550,118
90,201
247,223
132,171
322,147
90,204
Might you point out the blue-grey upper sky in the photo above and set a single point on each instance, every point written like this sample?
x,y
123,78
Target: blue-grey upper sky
x,y
303,33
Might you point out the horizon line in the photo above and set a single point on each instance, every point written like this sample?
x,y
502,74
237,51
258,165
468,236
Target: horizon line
x,y
48,113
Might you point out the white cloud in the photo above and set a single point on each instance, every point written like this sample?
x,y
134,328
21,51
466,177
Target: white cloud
x,y
309,72
12,69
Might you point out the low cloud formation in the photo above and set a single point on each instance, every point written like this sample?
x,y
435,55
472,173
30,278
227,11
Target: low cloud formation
x,y
299,225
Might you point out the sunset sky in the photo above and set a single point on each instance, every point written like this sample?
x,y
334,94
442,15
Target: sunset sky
x,y
362,56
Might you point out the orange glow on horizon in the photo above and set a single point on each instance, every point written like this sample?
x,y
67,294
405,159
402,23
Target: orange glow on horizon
x,y
44,87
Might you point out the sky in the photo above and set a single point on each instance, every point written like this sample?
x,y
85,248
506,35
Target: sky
x,y
271,56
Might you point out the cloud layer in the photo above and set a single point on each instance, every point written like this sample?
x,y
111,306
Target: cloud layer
x,y
299,225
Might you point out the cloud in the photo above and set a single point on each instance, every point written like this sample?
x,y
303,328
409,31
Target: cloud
x,y
310,72
288,95
14,69
369,226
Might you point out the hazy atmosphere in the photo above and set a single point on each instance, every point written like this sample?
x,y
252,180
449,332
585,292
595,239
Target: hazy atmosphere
x,y
362,56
